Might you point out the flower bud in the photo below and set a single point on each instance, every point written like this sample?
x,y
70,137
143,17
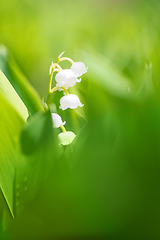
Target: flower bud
x,y
70,101
65,138
78,68
66,78
57,120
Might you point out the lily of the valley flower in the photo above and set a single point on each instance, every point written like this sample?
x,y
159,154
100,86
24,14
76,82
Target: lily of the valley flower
x,y
57,120
70,101
78,68
66,78
65,138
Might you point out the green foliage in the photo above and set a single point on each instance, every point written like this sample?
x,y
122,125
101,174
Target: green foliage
x,y
36,132
26,92
3,232
36,157
105,185
11,122
11,95
107,76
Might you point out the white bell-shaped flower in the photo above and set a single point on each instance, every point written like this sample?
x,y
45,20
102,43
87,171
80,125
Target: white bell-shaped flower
x,y
65,138
70,101
78,68
57,120
66,78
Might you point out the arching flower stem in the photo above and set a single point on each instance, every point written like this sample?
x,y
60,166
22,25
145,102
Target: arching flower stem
x,y
50,92
53,68
63,128
65,58
57,88
60,58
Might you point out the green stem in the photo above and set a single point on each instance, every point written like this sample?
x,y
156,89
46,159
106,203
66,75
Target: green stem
x,y
50,81
49,99
53,65
63,128
65,58
49,88
57,88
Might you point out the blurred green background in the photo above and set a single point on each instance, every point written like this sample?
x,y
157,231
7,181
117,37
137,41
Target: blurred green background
x,y
107,184
36,32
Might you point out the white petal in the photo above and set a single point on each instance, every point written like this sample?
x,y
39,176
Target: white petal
x,y
65,138
70,101
65,78
79,68
57,120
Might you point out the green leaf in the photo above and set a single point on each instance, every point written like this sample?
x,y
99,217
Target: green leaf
x,y
11,95
36,132
24,89
12,117
11,121
36,160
